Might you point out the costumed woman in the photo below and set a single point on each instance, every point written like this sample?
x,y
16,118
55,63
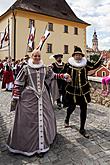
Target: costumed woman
x,y
34,126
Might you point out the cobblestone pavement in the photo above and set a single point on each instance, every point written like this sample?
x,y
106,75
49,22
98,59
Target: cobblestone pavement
x,y
69,147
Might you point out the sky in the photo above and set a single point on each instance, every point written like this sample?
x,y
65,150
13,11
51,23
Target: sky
x,y
96,13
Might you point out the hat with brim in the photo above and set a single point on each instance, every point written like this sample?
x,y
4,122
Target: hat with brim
x,y
56,56
26,57
78,50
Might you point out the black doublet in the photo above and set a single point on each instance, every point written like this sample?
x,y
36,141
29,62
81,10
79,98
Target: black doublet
x,y
78,90
59,69
61,83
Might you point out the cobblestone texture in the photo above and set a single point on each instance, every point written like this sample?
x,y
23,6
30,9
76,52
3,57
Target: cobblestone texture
x,y
69,147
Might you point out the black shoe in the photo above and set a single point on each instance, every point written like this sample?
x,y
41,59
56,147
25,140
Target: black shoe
x,y
84,133
65,106
66,124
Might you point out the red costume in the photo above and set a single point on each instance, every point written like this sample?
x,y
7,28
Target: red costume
x,y
7,78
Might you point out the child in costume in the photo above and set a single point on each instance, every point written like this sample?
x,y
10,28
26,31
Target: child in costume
x,y
105,82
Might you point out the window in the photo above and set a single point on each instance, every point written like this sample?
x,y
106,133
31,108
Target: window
x,y
65,29
49,48
50,26
75,30
65,49
31,21
103,73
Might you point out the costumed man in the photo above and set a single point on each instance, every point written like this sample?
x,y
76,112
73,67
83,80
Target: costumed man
x,y
78,90
25,60
58,67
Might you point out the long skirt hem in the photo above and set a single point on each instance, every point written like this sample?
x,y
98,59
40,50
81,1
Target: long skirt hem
x,y
27,153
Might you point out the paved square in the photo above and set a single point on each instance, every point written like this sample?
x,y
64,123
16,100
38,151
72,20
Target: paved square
x,y
69,147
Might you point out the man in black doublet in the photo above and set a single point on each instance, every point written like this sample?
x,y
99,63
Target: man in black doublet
x,y
58,67
78,90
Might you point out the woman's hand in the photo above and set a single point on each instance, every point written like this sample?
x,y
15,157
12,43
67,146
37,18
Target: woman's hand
x,y
13,104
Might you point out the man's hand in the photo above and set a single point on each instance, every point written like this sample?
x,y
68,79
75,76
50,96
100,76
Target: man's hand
x,y
67,77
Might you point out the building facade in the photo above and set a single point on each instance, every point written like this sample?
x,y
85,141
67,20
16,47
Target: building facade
x,y
66,29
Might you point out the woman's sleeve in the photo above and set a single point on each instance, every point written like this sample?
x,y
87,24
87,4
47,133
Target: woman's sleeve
x,y
19,83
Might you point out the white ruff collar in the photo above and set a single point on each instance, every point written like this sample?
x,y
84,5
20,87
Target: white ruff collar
x,y
30,63
60,63
73,62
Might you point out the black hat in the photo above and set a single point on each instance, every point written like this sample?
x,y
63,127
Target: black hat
x,y
26,56
58,55
77,50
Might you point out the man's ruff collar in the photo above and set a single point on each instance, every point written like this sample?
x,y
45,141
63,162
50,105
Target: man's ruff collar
x,y
73,62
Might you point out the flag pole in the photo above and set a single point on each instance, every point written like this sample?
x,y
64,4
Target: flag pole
x,y
26,48
44,37
32,25
9,39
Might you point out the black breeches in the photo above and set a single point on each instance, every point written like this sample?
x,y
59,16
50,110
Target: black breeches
x,y
58,101
83,113
62,94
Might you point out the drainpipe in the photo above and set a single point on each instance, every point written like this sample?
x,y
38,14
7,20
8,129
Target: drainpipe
x,y
14,18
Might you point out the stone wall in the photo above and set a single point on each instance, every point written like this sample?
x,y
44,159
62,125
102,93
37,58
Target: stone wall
x,y
96,96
